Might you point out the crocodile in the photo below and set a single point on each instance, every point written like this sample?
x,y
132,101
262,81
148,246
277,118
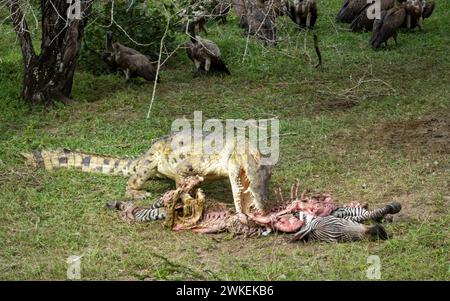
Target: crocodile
x,y
170,157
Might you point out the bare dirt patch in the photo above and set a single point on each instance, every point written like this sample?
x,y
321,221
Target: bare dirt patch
x,y
335,105
416,206
430,134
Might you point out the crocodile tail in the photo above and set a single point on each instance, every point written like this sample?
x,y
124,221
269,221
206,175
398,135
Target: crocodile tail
x,y
86,162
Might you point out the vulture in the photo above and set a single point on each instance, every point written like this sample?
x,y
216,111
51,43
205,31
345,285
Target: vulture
x,y
350,9
257,17
303,12
130,61
428,8
386,27
240,7
204,53
279,7
200,22
221,10
261,21
199,17
362,22
414,12
417,11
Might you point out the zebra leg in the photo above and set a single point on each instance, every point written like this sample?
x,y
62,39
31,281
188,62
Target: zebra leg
x,y
149,214
361,215
131,213
158,204
332,229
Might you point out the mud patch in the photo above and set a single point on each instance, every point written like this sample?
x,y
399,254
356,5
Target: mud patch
x,y
431,134
416,207
334,106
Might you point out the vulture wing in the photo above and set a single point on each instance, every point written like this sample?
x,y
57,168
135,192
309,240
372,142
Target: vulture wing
x,y
428,8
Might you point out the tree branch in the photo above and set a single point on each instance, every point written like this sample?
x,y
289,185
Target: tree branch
x,y
21,28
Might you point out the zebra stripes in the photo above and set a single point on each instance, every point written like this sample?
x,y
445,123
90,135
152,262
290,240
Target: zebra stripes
x,y
333,229
153,213
344,224
361,214
149,214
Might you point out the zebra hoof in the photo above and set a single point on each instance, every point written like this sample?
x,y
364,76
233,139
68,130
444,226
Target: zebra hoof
x,y
111,205
394,207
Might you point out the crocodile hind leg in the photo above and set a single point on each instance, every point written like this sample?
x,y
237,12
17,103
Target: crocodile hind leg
x,y
146,168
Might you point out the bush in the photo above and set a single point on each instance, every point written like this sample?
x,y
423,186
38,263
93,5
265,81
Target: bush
x,y
144,21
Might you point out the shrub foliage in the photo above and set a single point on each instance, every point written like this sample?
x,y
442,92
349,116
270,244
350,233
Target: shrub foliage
x,y
139,24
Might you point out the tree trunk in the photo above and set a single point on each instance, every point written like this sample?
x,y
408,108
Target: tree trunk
x,y
48,77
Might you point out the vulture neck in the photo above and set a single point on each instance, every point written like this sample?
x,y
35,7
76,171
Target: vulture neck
x,y
109,46
191,31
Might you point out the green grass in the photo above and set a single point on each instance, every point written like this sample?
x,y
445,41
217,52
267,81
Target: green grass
x,y
370,143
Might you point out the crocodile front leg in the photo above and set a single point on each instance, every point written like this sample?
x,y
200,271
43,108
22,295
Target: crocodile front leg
x,y
236,188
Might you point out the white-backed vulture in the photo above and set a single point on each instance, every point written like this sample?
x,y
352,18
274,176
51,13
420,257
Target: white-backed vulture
x,y
428,8
388,25
349,10
414,12
240,8
130,61
221,9
302,12
362,20
261,19
417,11
204,53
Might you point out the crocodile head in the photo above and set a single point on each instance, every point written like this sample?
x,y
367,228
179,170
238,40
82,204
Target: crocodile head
x,y
254,187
